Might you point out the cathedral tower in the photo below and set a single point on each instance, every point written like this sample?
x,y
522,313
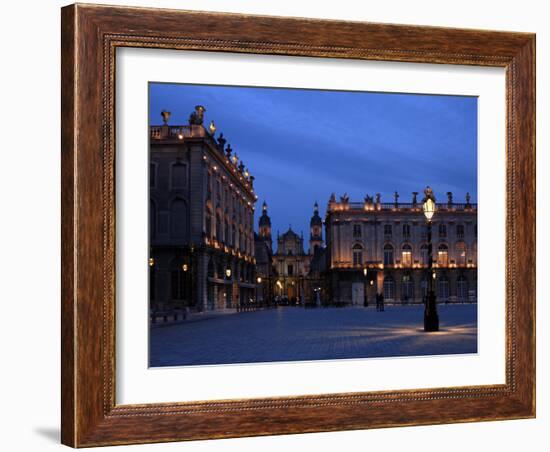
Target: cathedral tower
x,y
316,230
265,226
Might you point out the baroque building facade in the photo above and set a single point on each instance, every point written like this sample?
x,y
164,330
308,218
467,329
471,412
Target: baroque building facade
x,y
375,247
201,219
299,274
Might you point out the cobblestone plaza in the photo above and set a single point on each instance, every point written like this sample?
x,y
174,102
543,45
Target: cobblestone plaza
x,y
298,334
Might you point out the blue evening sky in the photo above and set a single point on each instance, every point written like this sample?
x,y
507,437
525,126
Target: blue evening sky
x,y
302,145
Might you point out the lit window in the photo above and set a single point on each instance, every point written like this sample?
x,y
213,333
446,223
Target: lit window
x,y
460,254
406,255
443,255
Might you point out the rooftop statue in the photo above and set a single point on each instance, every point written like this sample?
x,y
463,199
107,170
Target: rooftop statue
x,y
197,117
428,194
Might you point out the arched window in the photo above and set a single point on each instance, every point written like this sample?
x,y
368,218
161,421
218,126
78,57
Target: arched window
x,y
443,255
424,256
178,218
389,288
152,219
460,248
462,289
443,288
407,288
406,255
357,252
179,175
388,254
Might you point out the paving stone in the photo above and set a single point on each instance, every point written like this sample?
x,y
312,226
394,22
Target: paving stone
x,y
297,334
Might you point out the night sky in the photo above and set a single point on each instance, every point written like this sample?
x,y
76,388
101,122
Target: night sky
x,y
302,145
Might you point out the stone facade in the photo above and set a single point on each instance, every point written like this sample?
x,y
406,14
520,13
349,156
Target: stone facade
x,y
376,247
201,219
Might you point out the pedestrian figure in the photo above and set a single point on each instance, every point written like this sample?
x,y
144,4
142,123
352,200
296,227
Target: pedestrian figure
x,y
381,301
377,301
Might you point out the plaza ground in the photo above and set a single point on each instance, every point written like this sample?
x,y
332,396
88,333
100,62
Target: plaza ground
x,y
298,334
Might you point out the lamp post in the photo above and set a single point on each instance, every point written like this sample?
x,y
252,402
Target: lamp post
x,y
366,289
431,319
258,282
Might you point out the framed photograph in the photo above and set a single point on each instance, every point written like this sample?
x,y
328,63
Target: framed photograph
x,y
282,225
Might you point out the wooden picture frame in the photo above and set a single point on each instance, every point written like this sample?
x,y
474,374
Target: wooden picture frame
x,y
90,36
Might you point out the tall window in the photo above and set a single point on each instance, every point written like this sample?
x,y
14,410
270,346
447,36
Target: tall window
x,y
357,252
388,254
387,230
462,288
406,231
460,231
226,235
406,255
357,230
460,248
178,218
290,270
442,230
443,255
407,288
424,257
389,288
179,175
443,288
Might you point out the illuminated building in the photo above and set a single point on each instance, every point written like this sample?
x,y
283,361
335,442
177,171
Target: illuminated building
x,y
201,214
375,247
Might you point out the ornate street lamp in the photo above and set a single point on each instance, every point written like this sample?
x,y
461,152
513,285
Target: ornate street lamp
x,y
431,319
258,282
366,294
